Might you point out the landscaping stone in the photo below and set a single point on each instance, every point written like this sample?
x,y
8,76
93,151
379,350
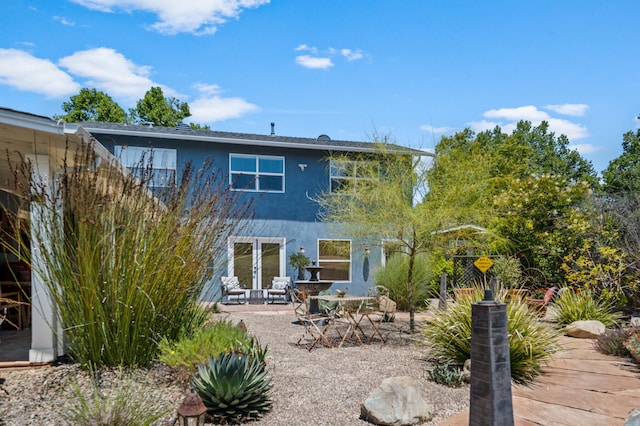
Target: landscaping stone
x,y
589,329
396,402
635,322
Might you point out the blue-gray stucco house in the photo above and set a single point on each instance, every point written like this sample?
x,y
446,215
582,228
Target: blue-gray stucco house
x,y
282,175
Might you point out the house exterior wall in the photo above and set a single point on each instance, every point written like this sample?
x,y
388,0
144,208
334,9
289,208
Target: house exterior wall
x,y
290,215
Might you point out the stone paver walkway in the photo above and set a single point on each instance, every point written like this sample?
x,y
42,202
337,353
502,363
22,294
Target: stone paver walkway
x,y
581,388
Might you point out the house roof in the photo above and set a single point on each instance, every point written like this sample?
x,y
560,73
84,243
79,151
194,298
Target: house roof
x,y
323,142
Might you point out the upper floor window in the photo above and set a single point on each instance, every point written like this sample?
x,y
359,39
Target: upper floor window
x,y
349,175
335,258
256,173
157,165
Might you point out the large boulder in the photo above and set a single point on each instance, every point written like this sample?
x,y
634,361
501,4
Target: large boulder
x,y
397,401
589,329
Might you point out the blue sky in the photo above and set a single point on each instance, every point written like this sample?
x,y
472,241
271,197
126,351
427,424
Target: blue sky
x,y
414,69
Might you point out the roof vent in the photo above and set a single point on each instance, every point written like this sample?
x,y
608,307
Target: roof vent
x,y
324,138
183,126
273,128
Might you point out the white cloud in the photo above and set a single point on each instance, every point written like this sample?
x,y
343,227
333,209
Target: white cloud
x,y
64,21
323,60
436,130
584,148
210,107
507,119
108,70
575,110
351,55
25,72
529,113
314,62
191,16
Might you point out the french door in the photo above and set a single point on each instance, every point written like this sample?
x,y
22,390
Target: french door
x,y
255,261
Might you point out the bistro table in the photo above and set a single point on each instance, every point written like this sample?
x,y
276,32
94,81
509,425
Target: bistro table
x,y
357,311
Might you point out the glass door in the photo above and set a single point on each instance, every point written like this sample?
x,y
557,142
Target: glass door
x,y
255,261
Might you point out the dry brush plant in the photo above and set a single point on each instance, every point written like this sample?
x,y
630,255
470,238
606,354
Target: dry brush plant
x,y
123,265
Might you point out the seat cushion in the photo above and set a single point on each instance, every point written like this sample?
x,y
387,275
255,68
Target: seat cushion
x,y
280,284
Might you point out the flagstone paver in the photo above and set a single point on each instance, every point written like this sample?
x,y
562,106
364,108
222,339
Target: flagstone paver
x,y
582,387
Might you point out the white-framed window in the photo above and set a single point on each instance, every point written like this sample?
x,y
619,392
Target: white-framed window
x,y
156,164
263,173
335,258
390,248
346,176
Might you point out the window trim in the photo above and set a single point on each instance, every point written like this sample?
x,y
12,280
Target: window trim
x,y
135,154
257,173
349,261
352,178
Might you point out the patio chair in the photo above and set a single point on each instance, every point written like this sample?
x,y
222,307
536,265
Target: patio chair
x,y
315,325
279,288
10,301
231,287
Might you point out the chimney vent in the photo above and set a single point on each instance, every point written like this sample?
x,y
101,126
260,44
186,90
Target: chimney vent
x,y
273,128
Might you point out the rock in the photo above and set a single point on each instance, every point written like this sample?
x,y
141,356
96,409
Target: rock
x,y
635,322
589,329
466,370
634,419
396,402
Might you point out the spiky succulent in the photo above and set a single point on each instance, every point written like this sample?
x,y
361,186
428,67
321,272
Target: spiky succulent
x,y
234,386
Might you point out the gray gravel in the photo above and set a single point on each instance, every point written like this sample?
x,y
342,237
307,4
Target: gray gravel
x,y
323,387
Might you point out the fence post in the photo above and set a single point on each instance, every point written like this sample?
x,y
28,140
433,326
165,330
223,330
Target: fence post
x,y
442,302
490,397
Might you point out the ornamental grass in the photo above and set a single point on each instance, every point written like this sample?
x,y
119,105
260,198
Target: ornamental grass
x,y
531,342
125,265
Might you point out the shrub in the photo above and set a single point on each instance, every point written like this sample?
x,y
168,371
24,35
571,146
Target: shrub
x,y
234,387
531,342
612,342
446,373
393,276
220,337
632,344
508,270
572,306
125,406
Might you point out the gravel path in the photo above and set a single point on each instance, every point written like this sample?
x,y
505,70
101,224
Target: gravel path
x,y
323,387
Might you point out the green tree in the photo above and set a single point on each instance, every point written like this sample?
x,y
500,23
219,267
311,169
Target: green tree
x,y
159,110
623,173
386,198
535,184
91,105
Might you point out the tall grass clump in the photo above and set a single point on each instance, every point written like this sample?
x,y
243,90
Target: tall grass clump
x,y
124,266
584,305
393,276
531,342
124,405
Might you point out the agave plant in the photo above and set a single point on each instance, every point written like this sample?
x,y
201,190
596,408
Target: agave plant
x,y
234,386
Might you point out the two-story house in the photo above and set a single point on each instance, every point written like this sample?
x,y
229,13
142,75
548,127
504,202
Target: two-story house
x,y
283,175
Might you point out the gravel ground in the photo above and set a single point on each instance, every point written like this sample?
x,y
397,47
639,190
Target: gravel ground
x,y
324,386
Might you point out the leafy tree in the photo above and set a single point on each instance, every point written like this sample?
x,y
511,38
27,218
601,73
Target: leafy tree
x,y
623,173
92,105
536,185
159,110
381,204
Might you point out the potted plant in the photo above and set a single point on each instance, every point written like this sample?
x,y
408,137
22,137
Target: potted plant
x,y
299,260
536,301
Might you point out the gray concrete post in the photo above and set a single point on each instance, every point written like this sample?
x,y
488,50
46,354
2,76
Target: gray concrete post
x,y
490,398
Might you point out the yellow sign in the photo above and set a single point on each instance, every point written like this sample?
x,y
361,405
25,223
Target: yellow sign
x,y
483,263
